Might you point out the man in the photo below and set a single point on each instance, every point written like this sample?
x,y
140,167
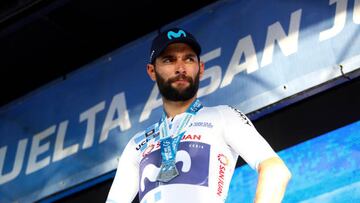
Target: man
x,y
190,154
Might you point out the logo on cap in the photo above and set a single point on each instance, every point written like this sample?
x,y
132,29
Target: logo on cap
x,y
172,34
165,38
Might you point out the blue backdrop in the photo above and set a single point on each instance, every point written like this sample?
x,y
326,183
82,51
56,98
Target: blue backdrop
x,y
73,130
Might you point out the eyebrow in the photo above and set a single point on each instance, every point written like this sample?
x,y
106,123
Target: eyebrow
x,y
191,55
172,56
167,56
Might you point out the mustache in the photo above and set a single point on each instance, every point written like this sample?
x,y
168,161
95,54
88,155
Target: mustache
x,y
180,77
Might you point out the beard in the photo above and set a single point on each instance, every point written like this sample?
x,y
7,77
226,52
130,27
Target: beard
x,y
173,94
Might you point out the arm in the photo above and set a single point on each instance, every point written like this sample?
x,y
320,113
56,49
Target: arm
x,y
272,181
125,184
244,139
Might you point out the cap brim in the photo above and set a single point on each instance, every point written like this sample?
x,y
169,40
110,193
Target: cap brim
x,y
193,44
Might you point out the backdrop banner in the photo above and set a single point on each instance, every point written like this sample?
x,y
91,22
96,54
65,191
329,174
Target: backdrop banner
x,y
260,52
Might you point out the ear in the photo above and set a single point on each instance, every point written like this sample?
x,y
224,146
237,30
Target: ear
x,y
150,69
201,68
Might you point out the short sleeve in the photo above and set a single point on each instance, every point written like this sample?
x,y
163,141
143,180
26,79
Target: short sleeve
x,y
126,182
241,135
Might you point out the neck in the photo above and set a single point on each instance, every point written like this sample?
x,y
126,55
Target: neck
x,y
173,108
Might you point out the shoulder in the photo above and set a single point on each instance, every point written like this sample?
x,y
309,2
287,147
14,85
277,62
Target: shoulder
x,y
223,109
215,109
231,112
226,111
220,109
212,112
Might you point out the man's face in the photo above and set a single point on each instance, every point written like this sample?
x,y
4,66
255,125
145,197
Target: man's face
x,y
177,72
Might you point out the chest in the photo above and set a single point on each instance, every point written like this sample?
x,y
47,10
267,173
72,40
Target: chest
x,y
199,132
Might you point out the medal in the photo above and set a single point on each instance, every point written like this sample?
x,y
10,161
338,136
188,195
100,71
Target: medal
x,y
167,173
169,144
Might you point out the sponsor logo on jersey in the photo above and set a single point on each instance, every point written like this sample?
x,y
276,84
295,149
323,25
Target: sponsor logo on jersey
x,y
148,150
144,145
242,116
149,133
191,137
192,162
143,139
224,161
141,144
202,124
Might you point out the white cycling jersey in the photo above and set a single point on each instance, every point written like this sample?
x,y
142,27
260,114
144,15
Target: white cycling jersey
x,y
205,159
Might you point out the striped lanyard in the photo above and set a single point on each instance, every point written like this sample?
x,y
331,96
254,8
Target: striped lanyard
x,y
169,143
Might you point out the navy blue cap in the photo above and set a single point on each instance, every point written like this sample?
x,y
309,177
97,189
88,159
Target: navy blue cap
x,y
170,36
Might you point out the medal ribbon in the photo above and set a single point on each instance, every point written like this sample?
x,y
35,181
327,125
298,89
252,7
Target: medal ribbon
x,y
169,144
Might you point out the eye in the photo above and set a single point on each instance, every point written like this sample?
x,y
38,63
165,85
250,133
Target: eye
x,y
166,60
190,59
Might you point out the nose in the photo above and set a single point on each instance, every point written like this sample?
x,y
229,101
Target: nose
x,y
180,67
